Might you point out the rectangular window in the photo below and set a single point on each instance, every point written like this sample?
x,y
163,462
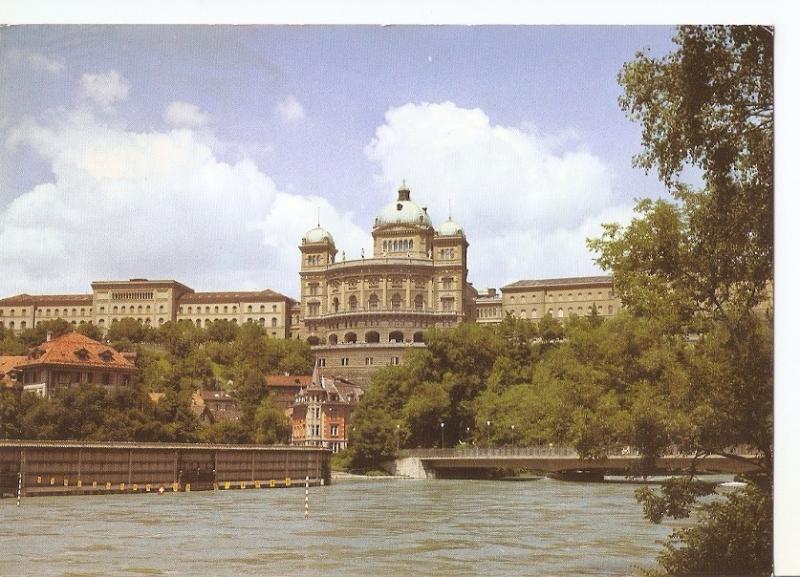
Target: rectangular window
x,y
369,361
334,430
345,361
320,362
447,304
447,283
395,360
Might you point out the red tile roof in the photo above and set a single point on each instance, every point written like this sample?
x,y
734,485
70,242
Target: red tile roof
x,y
66,351
288,380
232,297
7,363
45,300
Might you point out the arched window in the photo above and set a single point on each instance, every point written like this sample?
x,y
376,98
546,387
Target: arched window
x,y
333,339
560,313
373,302
418,337
397,301
352,302
225,309
216,308
350,338
274,322
335,304
262,322
198,322
372,337
411,245
396,336
24,324
313,340
419,302
610,310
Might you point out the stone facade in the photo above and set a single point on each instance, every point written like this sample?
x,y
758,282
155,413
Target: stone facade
x,y
151,302
561,297
362,313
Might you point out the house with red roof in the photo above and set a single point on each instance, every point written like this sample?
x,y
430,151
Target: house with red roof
x,y
72,360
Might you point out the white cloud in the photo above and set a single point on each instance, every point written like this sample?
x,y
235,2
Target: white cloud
x,y
289,109
43,62
105,89
126,204
185,115
526,200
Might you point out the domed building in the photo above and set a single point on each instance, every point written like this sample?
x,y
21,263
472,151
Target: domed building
x,y
362,313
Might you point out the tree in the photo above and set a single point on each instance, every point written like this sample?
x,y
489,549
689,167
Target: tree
x,y
270,424
127,329
702,266
90,330
708,105
37,335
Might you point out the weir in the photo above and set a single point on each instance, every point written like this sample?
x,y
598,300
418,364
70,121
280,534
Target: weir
x,y
86,468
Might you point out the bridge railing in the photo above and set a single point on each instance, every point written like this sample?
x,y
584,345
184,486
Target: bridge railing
x,y
469,452
540,451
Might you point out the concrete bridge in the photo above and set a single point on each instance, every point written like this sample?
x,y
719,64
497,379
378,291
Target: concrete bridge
x,y
562,462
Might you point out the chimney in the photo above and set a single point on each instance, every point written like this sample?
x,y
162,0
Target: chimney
x,y
49,336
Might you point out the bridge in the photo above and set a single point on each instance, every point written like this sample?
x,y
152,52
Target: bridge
x,y
563,462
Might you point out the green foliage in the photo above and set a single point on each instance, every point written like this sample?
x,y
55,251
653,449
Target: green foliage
x,y
127,330
732,536
37,335
676,498
702,266
708,105
90,330
270,424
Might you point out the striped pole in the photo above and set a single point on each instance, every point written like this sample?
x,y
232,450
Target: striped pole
x,y
19,489
306,509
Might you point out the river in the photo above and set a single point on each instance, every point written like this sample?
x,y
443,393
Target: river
x,y
380,528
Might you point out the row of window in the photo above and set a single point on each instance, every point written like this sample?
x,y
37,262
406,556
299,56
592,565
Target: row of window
x,y
374,282
488,312
398,245
368,361
132,296
560,313
396,303
562,296
234,309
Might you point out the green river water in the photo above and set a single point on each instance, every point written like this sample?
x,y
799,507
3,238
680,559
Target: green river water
x,y
375,528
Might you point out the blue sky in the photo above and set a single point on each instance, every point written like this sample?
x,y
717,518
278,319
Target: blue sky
x,y
202,153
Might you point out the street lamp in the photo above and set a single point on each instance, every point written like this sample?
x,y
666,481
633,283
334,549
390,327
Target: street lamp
x,y
397,437
441,426
512,435
469,442
488,434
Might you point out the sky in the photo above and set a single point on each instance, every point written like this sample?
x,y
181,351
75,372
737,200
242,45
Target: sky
x,y
204,153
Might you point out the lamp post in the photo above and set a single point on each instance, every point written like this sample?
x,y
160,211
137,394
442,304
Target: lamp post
x,y
488,434
513,427
397,437
441,426
469,440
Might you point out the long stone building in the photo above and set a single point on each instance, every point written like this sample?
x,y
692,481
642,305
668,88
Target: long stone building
x,y
151,302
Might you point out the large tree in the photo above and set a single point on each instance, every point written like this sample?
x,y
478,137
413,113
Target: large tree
x,y
703,266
